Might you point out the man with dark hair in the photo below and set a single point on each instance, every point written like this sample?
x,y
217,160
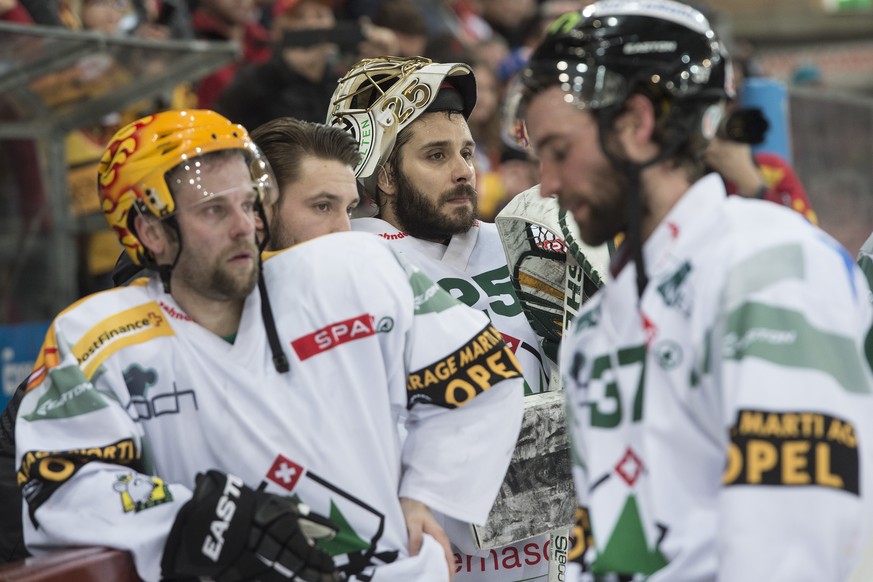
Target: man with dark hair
x,y
314,167
719,385
409,117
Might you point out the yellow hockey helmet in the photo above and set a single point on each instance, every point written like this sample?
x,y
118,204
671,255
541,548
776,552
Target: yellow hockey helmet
x,y
132,175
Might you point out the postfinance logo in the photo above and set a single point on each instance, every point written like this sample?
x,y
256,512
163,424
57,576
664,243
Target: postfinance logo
x,y
133,326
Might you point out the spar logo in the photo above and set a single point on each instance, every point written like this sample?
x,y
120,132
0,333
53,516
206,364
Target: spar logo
x,y
334,335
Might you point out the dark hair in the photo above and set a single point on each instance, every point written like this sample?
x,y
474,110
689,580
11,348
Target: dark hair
x,y
286,141
404,16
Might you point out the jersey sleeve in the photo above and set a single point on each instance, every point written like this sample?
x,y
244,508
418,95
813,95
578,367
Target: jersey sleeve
x,y
464,395
787,354
82,462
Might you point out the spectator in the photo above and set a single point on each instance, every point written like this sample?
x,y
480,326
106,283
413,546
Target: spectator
x,y
14,11
228,20
762,175
162,20
297,81
722,323
405,19
97,15
501,173
45,12
511,19
98,250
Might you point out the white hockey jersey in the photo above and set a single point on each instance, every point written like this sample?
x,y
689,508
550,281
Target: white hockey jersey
x,y
131,399
472,267
723,424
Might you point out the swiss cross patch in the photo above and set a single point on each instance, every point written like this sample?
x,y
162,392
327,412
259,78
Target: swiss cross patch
x,y
512,342
285,473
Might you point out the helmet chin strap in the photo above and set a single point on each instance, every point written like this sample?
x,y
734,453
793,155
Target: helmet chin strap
x,y
280,360
633,172
166,271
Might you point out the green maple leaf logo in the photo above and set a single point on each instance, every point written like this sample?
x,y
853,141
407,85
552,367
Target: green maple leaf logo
x,y
346,540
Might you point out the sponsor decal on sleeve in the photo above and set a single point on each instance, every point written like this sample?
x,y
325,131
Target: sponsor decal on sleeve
x,y
456,379
139,492
429,297
68,395
792,449
42,472
333,335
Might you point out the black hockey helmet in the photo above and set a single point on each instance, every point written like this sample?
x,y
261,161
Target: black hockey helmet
x,y
611,49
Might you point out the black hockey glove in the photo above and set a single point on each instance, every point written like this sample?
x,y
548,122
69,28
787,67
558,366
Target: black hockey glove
x,y
230,532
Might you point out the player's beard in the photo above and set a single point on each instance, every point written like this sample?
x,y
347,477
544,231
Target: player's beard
x,y
280,236
608,211
422,218
215,281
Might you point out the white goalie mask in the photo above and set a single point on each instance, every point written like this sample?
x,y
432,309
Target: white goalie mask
x,y
378,97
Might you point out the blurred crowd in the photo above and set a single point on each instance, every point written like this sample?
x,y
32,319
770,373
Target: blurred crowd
x,y
292,52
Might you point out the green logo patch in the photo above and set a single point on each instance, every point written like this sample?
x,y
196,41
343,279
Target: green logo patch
x,y
70,395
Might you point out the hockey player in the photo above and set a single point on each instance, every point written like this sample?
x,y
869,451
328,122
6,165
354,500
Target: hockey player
x,y
719,384
314,167
206,427
316,189
409,116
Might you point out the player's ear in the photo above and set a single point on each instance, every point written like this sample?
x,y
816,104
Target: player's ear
x,y
635,126
385,181
151,234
